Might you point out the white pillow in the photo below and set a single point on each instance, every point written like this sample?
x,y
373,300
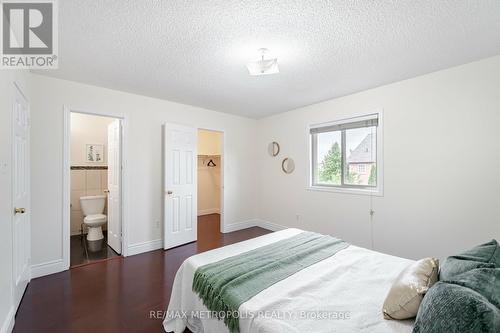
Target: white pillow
x,y
409,289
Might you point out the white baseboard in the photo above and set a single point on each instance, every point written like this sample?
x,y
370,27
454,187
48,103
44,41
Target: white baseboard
x,y
253,223
270,225
239,225
47,268
208,211
8,323
145,247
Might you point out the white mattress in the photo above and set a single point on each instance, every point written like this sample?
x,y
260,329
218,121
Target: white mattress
x,y
346,290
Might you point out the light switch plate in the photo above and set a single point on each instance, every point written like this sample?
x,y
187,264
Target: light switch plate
x,y
3,168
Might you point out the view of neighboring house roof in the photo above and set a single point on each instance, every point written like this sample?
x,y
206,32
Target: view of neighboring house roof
x,y
363,152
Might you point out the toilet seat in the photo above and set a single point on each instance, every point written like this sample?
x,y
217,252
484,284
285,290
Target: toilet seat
x,y
94,223
95,219
93,208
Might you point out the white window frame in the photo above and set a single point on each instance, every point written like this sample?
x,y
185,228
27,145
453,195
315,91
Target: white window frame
x,y
361,190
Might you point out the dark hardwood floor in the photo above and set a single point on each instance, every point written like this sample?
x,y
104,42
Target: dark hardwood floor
x,y
117,295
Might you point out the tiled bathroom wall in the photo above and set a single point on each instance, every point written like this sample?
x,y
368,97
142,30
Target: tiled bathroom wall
x,y
85,181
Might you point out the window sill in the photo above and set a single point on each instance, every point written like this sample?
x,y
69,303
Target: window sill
x,y
357,191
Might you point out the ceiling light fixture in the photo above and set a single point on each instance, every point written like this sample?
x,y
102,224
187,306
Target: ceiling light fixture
x,y
263,66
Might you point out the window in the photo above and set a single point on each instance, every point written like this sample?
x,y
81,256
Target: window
x,y
362,168
345,155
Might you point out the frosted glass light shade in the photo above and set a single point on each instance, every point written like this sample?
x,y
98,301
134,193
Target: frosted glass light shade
x,y
263,67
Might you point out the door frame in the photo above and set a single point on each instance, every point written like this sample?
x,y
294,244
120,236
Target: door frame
x,y
222,172
66,213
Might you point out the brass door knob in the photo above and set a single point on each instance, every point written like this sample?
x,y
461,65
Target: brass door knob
x,y
20,210
170,192
106,191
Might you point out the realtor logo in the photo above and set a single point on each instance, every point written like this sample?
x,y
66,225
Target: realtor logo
x,y
29,34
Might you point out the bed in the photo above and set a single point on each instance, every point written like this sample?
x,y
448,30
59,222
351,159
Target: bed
x,y
342,293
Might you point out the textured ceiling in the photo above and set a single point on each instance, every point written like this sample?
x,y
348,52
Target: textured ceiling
x,y
194,52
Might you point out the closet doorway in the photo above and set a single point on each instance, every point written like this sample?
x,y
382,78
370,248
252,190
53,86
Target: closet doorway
x,y
210,182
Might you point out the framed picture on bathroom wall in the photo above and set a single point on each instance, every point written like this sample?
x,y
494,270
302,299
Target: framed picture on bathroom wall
x,y
94,153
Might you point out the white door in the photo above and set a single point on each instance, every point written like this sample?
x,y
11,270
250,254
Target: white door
x,y
21,196
180,219
114,186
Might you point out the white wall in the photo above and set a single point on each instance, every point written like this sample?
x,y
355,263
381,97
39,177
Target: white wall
x,y
88,129
144,119
442,161
441,184
7,79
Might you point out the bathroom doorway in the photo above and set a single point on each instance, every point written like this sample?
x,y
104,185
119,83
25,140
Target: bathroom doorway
x,y
95,188
210,182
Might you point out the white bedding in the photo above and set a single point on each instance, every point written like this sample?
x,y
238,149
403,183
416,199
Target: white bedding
x,y
347,290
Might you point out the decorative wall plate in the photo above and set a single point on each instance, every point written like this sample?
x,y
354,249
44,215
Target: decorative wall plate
x,y
273,149
288,165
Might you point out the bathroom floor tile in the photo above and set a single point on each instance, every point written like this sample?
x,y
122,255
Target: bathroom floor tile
x,y
81,251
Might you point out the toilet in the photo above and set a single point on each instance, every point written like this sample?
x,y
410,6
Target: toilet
x,y
93,209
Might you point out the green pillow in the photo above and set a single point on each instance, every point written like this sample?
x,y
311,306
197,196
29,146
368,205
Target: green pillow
x,y
453,308
487,252
485,281
483,256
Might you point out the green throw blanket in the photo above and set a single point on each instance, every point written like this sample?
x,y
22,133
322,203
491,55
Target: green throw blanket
x,y
224,285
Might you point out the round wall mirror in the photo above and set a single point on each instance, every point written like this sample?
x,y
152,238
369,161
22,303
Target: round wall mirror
x,y
274,149
288,165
